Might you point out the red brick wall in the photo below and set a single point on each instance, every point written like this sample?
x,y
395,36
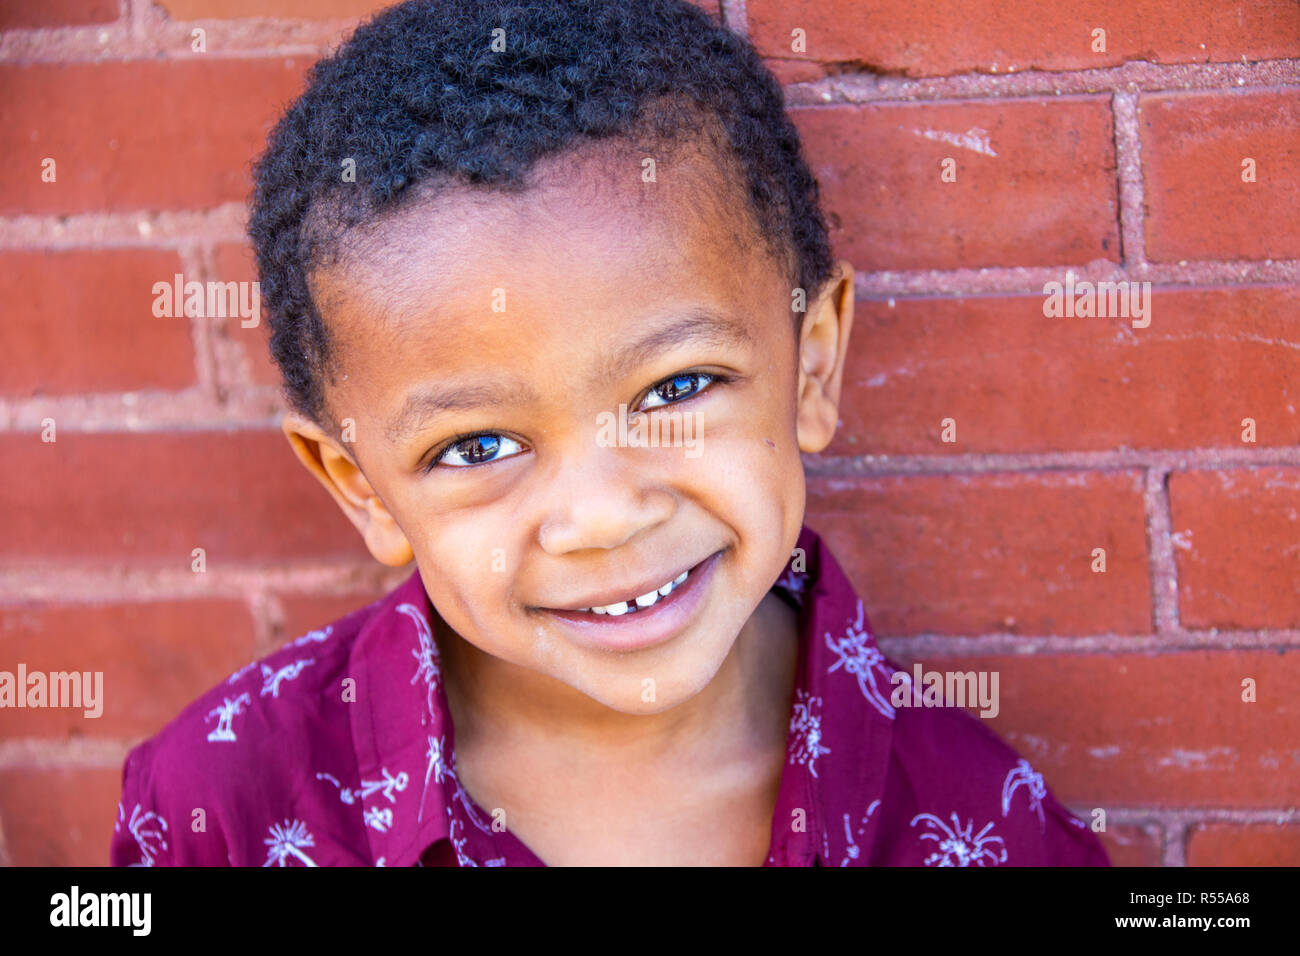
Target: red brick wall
x,y
1123,687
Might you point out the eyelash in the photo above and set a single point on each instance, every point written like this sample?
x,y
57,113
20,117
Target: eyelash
x,y
712,378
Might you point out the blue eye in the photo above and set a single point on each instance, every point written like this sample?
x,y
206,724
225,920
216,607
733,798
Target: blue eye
x,y
677,389
477,450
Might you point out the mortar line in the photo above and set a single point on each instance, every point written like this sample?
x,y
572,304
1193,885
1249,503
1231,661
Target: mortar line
x,y
1128,171
1160,553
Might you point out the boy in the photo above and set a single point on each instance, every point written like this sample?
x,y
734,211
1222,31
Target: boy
x,y
556,314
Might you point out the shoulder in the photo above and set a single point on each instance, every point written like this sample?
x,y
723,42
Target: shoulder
x,y
237,752
956,794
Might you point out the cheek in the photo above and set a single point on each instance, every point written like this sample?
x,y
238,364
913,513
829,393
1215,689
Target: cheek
x,y
766,493
749,466
466,568
755,483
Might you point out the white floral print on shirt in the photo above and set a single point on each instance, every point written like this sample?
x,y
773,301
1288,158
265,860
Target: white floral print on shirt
x,y
957,845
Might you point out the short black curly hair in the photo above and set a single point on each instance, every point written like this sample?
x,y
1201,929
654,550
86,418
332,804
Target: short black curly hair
x,y
428,94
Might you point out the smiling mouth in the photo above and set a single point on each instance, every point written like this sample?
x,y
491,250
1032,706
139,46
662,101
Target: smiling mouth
x,y
641,601
635,603
639,621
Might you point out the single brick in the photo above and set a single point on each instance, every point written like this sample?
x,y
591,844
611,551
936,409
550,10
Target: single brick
x,y
1196,149
1000,552
1034,186
152,498
1014,380
271,9
82,321
27,14
294,9
1153,730
1001,36
138,135
1235,536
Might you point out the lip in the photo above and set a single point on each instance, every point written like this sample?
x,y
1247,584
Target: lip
x,y
647,627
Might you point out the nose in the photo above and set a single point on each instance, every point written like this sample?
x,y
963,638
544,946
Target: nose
x,y
603,500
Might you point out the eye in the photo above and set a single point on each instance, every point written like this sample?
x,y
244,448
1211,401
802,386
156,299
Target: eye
x,y
678,388
476,450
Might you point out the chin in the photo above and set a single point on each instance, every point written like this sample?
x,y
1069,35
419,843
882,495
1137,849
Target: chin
x,y
634,706
669,692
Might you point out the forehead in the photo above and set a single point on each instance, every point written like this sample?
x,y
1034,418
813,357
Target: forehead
x,y
598,233
610,195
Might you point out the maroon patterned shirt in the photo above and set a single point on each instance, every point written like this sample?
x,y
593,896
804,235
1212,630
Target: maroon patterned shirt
x,y
275,767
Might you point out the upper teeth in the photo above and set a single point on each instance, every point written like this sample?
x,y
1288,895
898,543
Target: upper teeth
x,y
644,600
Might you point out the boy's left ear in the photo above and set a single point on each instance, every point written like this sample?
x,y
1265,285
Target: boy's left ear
x,y
336,469
823,345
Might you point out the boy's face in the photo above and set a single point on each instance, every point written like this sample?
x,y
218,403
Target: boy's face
x,y
528,320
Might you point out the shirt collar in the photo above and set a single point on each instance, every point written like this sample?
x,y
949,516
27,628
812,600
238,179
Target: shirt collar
x,y
401,726
837,746
841,725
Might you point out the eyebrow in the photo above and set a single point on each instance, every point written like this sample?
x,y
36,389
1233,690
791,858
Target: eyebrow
x,y
434,400
699,325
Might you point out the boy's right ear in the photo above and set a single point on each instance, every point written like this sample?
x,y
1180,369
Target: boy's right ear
x,y
335,468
